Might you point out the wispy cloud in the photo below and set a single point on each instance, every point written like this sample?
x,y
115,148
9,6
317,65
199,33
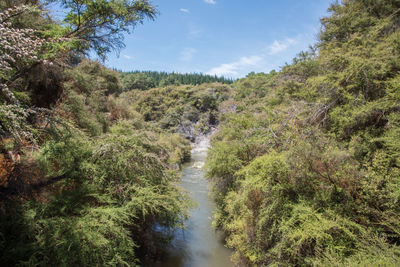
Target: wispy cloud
x,y
212,2
279,46
264,60
127,57
184,10
234,67
187,53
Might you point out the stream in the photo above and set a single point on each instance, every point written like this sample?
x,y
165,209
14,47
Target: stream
x,y
198,245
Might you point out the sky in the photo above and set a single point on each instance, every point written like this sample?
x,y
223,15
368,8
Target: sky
x,y
228,38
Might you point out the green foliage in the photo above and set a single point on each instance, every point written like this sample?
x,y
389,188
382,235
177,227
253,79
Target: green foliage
x,y
254,85
104,185
87,90
110,193
169,80
139,81
305,171
99,25
173,108
91,76
85,181
143,80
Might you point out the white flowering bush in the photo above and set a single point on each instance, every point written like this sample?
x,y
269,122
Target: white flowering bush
x,y
18,48
12,118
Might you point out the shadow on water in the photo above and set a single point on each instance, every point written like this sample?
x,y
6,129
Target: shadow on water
x,y
199,245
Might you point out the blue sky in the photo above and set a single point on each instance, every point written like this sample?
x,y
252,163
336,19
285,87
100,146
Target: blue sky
x,y
222,37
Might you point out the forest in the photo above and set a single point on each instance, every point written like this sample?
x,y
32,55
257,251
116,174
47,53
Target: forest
x,y
143,80
304,166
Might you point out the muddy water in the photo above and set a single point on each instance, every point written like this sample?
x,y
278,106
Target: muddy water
x,y
199,245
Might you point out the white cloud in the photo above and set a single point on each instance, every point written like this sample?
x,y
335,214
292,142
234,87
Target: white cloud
x,y
184,10
279,46
234,67
187,54
127,57
265,60
212,2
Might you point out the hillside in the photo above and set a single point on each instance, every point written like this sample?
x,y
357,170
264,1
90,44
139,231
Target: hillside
x,y
306,171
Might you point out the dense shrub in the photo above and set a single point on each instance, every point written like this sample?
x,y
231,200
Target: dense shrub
x,y
305,171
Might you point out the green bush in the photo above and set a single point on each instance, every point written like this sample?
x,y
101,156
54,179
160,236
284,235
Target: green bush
x,y
305,171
